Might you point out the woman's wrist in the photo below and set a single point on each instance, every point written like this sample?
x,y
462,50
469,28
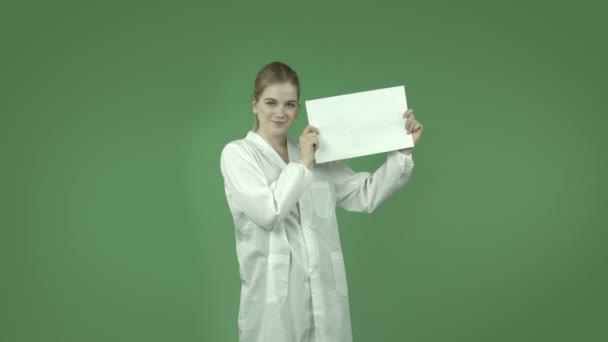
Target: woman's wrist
x,y
306,163
406,151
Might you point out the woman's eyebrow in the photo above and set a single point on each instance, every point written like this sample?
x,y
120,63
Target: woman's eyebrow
x,y
270,98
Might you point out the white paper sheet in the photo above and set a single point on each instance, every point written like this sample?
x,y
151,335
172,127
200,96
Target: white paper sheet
x,y
359,124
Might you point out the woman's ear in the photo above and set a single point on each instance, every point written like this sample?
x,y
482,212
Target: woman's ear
x,y
254,105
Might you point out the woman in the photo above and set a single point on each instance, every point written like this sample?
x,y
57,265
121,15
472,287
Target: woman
x,y
283,205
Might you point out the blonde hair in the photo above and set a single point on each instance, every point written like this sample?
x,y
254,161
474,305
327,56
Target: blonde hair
x,y
275,72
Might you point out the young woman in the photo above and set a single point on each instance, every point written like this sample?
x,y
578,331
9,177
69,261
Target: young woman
x,y
283,205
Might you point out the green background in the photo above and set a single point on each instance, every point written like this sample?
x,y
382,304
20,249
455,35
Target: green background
x,y
114,223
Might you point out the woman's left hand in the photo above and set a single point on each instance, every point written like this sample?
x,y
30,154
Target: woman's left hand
x,y
413,127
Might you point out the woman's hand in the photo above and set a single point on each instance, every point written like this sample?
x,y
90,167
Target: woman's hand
x,y
413,127
309,143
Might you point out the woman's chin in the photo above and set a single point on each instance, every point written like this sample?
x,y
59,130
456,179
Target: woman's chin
x,y
279,128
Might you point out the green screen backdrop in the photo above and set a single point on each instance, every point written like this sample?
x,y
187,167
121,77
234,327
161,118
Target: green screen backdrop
x,y
114,222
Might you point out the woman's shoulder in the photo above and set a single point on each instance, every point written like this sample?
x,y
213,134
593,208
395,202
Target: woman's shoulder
x,y
241,148
235,144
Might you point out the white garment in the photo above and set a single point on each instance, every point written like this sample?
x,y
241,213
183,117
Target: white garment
x,y
287,242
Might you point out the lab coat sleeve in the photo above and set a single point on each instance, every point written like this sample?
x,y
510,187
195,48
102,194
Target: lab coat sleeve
x,y
265,203
364,191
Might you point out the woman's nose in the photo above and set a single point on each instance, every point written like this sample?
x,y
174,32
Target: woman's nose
x,y
281,111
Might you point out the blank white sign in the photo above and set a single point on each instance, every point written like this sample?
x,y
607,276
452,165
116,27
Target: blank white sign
x,y
359,124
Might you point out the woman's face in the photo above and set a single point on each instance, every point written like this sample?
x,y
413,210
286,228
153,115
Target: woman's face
x,y
276,109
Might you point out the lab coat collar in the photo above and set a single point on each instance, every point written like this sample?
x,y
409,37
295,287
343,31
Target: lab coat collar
x,y
264,146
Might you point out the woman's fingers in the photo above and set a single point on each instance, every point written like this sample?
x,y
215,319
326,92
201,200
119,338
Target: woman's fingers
x,y
310,129
315,142
409,126
310,136
410,119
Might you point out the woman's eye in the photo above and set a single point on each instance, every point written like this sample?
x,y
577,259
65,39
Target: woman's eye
x,y
291,105
270,103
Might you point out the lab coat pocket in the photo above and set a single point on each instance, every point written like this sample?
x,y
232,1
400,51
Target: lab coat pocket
x,y
277,278
321,198
339,273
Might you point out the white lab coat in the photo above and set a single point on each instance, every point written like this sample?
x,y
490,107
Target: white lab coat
x,y
288,247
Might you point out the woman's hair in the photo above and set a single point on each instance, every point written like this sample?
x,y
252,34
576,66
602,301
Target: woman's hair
x,y
275,72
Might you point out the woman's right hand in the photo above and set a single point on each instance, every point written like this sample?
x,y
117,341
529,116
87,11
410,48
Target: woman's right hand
x,y
309,143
